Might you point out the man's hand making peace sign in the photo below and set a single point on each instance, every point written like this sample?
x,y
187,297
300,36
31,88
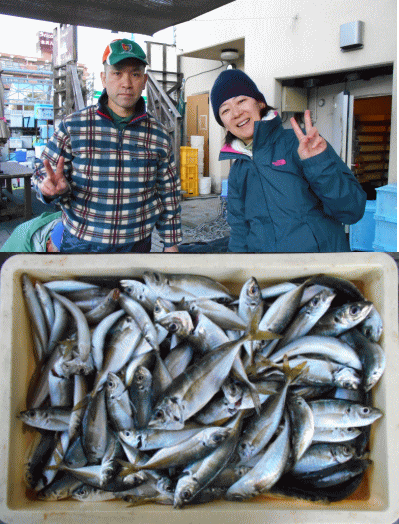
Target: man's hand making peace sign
x,y
310,144
55,183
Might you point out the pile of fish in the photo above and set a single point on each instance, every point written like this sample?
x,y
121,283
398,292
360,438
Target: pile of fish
x,y
170,389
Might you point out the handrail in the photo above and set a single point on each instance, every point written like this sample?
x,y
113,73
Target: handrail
x,y
163,95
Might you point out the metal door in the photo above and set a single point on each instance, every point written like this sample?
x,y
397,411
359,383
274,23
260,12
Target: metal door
x,y
343,126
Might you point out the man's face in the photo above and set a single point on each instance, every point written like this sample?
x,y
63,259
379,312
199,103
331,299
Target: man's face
x,y
124,83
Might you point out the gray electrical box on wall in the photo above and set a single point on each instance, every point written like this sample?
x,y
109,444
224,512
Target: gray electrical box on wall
x,y
351,36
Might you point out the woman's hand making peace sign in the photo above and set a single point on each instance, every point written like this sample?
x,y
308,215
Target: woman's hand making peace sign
x,y
312,143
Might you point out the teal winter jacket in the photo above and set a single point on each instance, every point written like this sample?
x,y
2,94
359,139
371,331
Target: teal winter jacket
x,y
279,203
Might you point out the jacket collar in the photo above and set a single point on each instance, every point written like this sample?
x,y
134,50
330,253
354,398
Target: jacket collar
x,y
102,108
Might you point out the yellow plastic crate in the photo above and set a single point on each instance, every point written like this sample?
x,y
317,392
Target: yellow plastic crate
x,y
190,187
188,172
188,156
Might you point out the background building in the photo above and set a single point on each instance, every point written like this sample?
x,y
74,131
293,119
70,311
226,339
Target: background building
x,y
301,55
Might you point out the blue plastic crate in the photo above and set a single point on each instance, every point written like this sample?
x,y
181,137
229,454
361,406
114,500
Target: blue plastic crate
x,y
224,188
387,201
386,234
361,234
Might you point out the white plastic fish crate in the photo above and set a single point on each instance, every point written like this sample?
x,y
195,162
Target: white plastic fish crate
x,y
375,501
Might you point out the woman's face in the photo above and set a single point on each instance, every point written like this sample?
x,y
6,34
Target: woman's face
x,y
239,114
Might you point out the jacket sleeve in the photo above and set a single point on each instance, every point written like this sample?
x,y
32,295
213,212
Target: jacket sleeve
x,y
236,215
334,184
168,186
58,145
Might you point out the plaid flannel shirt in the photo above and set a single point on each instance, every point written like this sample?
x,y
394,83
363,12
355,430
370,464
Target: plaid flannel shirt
x,y
122,183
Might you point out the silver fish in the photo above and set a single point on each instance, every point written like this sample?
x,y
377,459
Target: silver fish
x,y
118,403
371,354
335,434
50,418
201,473
193,448
267,471
338,320
302,425
372,326
140,292
141,394
342,413
176,287
329,347
321,456
107,306
150,439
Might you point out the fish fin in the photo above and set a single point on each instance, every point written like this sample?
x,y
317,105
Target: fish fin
x,y
293,373
83,403
128,467
254,333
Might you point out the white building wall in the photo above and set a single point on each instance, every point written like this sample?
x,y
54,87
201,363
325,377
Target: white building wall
x,y
294,38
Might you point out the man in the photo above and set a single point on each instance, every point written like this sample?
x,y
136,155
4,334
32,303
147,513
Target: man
x,y
111,166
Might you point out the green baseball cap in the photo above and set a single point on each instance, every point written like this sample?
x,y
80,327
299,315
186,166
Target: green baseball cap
x,y
123,48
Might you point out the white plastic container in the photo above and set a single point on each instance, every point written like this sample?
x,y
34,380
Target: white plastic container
x,y
197,141
204,185
375,502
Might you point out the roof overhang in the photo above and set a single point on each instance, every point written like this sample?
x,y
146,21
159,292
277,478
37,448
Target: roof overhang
x,y
134,16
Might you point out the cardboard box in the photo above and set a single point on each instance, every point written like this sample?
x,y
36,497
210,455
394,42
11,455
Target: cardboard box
x,y
376,500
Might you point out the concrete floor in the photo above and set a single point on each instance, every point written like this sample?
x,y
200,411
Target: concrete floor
x,y
195,211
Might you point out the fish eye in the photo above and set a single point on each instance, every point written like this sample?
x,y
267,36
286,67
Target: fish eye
x,y
127,433
315,301
159,414
365,410
354,310
173,327
337,319
186,495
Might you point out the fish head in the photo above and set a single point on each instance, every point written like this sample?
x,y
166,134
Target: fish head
x,y
372,332
186,489
114,386
178,322
215,437
245,450
342,453
374,377
165,485
131,437
356,311
32,416
347,378
142,378
168,415
83,492
161,308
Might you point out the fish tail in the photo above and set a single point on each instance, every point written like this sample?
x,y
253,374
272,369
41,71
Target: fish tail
x,y
253,332
293,373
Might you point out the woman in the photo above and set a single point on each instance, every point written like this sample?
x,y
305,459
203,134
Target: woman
x,y
282,196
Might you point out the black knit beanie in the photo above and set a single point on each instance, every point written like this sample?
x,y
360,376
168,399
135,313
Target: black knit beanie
x,y
231,83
